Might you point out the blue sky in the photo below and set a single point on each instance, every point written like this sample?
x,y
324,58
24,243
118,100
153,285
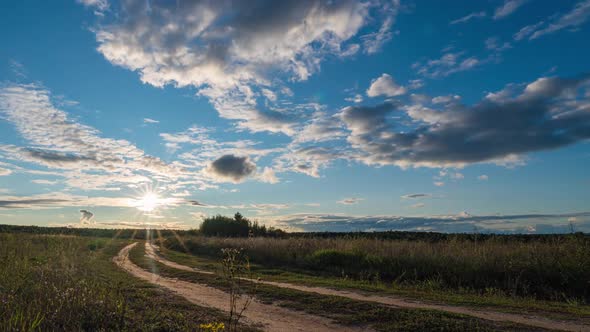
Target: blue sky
x,y
348,115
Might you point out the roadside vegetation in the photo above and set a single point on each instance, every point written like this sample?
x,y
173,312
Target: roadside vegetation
x,y
342,310
557,270
69,283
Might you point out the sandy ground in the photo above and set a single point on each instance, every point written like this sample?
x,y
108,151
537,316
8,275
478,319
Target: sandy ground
x,y
535,321
269,317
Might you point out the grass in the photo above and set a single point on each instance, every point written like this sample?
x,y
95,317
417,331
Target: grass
x,y
342,310
312,262
69,283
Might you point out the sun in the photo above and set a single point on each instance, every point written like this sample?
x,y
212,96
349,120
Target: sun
x,y
149,202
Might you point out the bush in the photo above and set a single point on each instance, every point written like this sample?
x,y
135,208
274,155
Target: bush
x,y
238,226
225,226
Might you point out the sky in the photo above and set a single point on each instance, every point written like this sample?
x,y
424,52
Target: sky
x,y
454,116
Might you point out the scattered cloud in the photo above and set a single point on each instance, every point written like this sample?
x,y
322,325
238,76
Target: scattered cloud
x,y
416,196
150,121
483,177
469,17
87,159
99,5
571,20
229,51
384,85
268,175
508,8
350,201
5,171
494,44
447,64
45,182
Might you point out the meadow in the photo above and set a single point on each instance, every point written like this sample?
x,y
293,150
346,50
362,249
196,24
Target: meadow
x,y
69,283
554,268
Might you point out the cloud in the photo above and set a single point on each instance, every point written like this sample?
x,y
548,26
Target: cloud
x,y
549,113
99,5
449,63
350,201
438,183
268,175
231,168
527,31
357,98
56,141
46,182
483,177
85,217
416,196
468,17
459,223
233,52
417,206
571,20
509,7
385,86
57,200
494,44
148,120
4,171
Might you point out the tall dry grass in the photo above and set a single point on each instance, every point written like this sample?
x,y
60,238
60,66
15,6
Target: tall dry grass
x,y
47,284
556,269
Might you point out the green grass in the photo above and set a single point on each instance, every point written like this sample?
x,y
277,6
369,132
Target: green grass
x,y
427,290
69,283
342,310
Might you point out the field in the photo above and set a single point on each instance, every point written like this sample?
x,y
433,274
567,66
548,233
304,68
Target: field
x,y
321,282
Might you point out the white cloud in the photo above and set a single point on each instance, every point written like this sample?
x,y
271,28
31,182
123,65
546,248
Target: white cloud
x,y
384,85
350,201
268,175
509,7
233,52
447,64
99,5
483,177
494,44
469,17
56,141
148,120
438,183
43,181
4,171
572,20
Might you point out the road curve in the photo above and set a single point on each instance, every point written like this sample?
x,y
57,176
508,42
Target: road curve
x,y
269,317
392,301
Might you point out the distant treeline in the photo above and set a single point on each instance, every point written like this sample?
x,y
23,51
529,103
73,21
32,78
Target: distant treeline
x,y
94,232
242,227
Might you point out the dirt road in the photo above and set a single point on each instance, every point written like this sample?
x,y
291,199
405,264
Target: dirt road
x,y
269,317
535,321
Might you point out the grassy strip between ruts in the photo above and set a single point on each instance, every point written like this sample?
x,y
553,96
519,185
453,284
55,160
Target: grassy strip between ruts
x,y
69,283
557,310
342,310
